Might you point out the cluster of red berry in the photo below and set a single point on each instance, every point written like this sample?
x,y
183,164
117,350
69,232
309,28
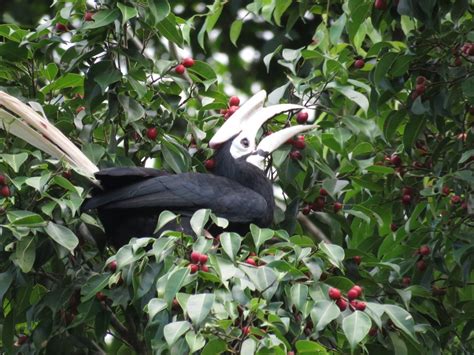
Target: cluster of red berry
x,y
420,87
185,63
424,250
233,106
320,202
198,262
352,295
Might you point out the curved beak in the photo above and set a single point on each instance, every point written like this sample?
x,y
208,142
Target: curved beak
x,y
275,140
249,118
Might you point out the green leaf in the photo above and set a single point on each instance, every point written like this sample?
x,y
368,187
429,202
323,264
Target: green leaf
x,y
264,279
280,8
25,253
383,66
24,218
214,347
132,109
155,306
15,160
159,9
174,331
174,283
102,18
235,29
392,122
62,235
93,285
260,235
202,72
93,151
412,130
104,74
356,327
231,244
199,306
199,220
351,94
334,253
195,341
164,218
310,347
323,313
69,80
468,87
128,12
402,319
50,71
6,279
249,346
299,295
168,28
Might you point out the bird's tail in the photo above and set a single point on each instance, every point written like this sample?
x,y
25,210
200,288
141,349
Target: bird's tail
x,y
24,122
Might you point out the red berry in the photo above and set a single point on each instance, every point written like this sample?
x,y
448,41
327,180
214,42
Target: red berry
x,y
299,144
3,180
464,205
245,330
210,164
80,108
358,289
180,69
357,259
420,88
232,110
342,304
204,268
393,227
187,62
152,133
112,266
446,190
424,250
353,303
318,204
396,160
337,207
380,4
421,265
61,28
234,101
360,306
420,80
251,261
407,191
88,16
194,268
373,331
306,209
100,296
203,258
406,199
406,281
302,117
195,257
458,61
22,339
352,294
290,353
334,293
296,155
223,111
5,191
359,63
323,192
455,199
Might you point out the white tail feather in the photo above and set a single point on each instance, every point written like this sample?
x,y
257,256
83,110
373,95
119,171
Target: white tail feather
x,y
25,123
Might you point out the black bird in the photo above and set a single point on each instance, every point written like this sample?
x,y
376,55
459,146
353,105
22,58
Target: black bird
x,y
129,200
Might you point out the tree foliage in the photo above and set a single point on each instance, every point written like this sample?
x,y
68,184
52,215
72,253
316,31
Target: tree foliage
x,y
387,178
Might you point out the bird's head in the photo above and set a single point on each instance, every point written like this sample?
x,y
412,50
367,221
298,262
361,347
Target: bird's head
x,y
241,130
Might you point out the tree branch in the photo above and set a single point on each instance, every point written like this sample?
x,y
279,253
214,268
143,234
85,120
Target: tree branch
x,y
312,228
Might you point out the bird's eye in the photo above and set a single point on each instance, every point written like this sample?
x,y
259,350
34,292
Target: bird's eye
x,y
245,142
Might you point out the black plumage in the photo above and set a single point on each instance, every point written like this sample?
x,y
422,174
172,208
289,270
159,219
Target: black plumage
x,y
133,198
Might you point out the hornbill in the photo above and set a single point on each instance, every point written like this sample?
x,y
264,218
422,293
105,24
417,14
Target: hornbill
x,y
129,200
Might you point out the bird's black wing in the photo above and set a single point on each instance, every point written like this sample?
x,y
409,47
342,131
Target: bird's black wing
x,y
113,178
186,193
